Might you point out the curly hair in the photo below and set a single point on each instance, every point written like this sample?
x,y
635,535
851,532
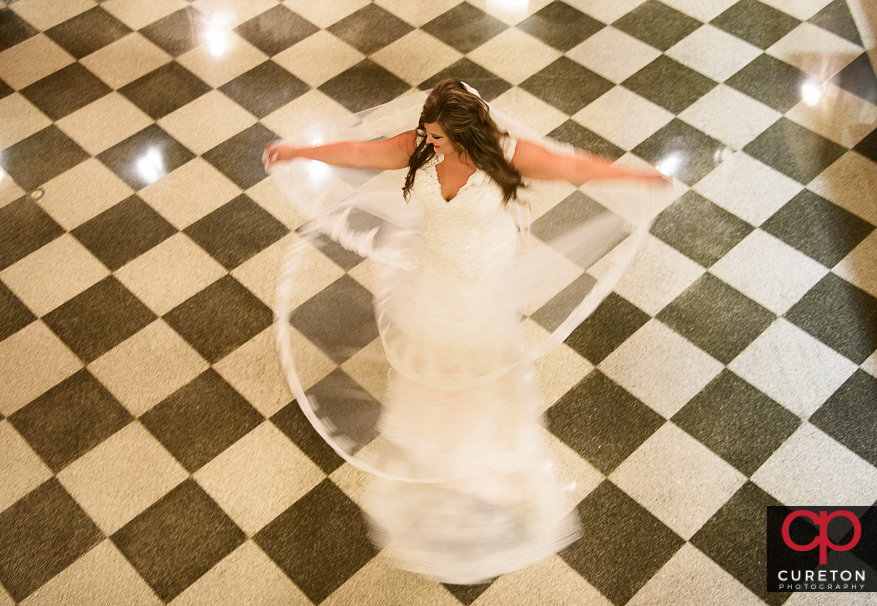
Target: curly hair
x,y
465,119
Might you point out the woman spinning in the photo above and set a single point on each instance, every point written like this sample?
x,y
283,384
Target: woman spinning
x,y
462,488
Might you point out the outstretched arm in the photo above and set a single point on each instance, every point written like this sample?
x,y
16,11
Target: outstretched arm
x,y
388,154
535,162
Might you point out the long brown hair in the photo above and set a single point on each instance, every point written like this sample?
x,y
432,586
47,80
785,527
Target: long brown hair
x,y
465,119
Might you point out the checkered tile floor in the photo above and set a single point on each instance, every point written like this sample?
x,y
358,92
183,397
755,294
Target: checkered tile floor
x,y
150,452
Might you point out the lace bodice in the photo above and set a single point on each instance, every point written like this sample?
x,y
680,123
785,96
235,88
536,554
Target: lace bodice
x,y
472,235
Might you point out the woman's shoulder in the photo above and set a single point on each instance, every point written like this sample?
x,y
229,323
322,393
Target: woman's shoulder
x,y
409,140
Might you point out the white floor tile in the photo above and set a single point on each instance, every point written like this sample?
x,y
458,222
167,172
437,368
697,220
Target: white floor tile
x,y
730,116
121,477
53,274
769,271
258,477
810,467
660,368
751,190
793,368
246,576
678,479
148,367
21,469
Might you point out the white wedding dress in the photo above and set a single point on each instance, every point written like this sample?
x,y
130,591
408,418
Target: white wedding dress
x,y
462,488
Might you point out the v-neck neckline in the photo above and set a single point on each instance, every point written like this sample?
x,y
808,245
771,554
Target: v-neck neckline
x,y
439,159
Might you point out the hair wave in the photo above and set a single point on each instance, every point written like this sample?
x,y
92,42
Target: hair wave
x,y
465,119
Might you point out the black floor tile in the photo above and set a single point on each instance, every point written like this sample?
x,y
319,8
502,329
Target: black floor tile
x,y
622,545
580,137
339,319
123,232
220,318
464,27
716,318
755,22
561,222
697,152
850,415
793,150
65,91
236,231
700,229
734,538
14,315
601,421
95,321
319,542
14,30
669,84
364,85
560,25
88,32
370,29
567,85
41,157
178,539
240,157
818,228
201,419
837,19
737,422
342,257
5,89
552,314
339,397
466,594
295,425
657,24
24,227
41,535
265,88
858,78
124,158
164,90
70,419
608,327
868,146
840,315
275,30
178,32
488,85
771,81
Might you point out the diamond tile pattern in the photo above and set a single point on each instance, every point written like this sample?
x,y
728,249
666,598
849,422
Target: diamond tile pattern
x,y
125,78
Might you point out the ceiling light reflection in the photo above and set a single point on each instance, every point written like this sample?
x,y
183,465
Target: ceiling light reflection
x,y
317,171
811,92
512,7
670,164
217,33
151,165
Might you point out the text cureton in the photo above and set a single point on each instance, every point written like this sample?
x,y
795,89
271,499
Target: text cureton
x,y
820,575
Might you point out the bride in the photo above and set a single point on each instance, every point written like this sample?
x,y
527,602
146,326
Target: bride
x,y
461,487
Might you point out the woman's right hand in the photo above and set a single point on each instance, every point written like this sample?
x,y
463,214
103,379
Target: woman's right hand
x,y
275,152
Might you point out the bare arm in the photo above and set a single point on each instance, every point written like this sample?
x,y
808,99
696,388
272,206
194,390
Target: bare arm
x,y
535,162
382,155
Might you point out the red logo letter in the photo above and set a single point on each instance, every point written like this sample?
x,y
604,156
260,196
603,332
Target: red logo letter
x,y
822,520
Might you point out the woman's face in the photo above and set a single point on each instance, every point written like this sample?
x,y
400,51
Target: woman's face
x,y
436,136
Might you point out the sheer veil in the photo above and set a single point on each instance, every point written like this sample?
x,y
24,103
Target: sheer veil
x,y
575,247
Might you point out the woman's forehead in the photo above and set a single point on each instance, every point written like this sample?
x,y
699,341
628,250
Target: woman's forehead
x,y
433,128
